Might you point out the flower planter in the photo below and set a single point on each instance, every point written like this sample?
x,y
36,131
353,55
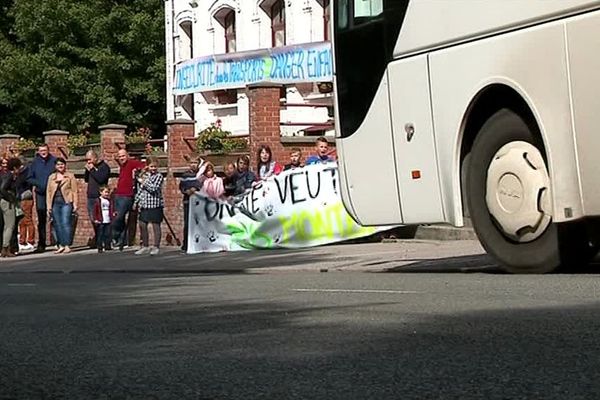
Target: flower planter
x,y
79,151
221,159
138,148
28,153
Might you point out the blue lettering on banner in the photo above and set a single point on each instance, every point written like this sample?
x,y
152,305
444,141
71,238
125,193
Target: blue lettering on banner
x,y
299,63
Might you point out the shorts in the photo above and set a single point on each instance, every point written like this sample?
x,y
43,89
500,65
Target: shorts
x,y
151,215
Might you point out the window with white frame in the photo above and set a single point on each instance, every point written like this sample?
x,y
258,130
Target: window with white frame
x,y
277,15
229,26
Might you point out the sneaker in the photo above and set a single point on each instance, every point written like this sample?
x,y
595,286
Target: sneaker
x,y
154,251
143,250
100,250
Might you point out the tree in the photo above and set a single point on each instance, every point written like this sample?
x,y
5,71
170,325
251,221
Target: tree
x,y
72,65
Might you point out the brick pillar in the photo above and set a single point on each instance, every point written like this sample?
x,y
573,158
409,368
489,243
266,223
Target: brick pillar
x,y
177,131
6,143
57,142
111,136
264,107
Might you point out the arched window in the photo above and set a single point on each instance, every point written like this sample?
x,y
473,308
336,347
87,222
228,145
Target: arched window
x,y
278,23
326,19
229,25
185,43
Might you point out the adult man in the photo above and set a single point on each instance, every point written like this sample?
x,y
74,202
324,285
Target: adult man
x,y
188,185
322,156
40,169
124,195
96,175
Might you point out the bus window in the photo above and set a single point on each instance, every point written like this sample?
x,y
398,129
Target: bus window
x,y
342,14
367,8
365,33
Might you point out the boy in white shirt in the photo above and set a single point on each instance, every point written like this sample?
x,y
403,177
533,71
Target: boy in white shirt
x,y
103,215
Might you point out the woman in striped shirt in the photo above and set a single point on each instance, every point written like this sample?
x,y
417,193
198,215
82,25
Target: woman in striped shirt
x,y
149,200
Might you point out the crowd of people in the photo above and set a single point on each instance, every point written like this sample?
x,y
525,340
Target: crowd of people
x,y
46,185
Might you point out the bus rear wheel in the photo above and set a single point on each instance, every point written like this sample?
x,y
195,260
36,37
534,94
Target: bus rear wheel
x,y
509,200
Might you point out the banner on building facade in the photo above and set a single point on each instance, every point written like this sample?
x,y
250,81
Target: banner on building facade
x,y
310,62
298,208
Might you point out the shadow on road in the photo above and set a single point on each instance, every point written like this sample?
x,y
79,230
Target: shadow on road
x,y
474,263
161,338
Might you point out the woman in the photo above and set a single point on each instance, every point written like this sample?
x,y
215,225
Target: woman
x,y
150,201
266,167
212,185
61,200
8,203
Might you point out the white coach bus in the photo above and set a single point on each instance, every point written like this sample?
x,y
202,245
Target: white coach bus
x,y
488,109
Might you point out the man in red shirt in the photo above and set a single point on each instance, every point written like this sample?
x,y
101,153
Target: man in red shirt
x,y
124,195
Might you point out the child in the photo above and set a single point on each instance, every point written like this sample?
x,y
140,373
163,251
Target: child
x,y
188,185
103,216
213,185
150,201
295,159
266,167
229,180
322,156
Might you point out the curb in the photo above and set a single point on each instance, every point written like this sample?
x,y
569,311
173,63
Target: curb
x,y
445,232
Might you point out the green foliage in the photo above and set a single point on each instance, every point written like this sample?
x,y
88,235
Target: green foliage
x,y
25,144
70,64
140,135
79,140
216,140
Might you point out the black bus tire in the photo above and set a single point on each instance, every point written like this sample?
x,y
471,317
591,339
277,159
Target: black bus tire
x,y
559,246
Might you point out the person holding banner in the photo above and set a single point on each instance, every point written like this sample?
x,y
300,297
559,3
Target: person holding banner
x,y
188,185
213,184
229,180
245,177
295,159
322,156
265,166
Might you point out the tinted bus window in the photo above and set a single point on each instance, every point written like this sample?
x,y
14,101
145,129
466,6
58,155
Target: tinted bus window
x,y
365,32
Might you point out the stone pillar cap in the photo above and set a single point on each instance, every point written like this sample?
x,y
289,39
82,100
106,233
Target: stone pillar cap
x,y
55,132
9,136
265,84
180,121
112,126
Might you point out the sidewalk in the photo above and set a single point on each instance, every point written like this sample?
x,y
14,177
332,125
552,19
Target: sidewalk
x,y
403,255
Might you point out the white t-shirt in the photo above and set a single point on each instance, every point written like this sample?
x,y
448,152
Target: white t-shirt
x,y
105,206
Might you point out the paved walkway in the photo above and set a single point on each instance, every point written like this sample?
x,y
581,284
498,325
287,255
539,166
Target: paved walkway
x,y
406,255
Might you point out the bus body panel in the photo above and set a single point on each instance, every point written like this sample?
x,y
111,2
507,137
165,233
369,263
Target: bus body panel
x,y
368,158
533,62
416,161
583,39
431,24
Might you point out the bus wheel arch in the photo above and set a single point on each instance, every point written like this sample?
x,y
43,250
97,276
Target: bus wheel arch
x,y
486,103
511,130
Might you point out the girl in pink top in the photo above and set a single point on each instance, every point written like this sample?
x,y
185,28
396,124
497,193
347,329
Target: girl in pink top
x,y
213,185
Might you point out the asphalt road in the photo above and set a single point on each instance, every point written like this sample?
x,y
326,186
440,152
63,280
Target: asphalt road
x,y
438,334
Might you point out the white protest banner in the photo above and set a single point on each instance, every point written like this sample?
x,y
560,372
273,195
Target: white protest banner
x,y
298,208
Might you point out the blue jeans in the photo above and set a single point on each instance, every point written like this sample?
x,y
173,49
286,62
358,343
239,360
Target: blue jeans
x,y
122,206
103,236
62,214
